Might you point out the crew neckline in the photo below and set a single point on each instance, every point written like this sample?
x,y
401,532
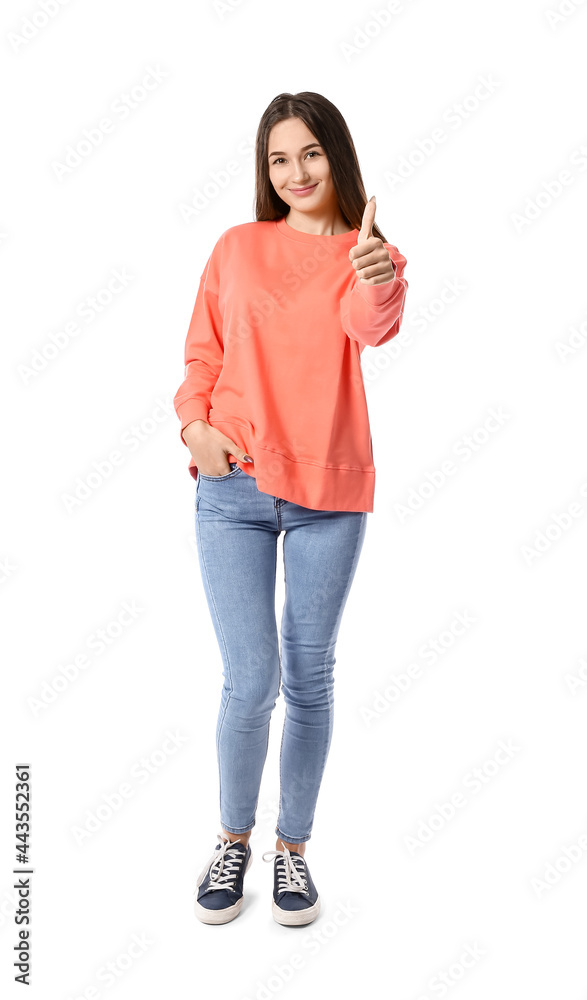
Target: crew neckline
x,y
298,236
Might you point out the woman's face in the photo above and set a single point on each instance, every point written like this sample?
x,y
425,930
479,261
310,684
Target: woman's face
x,y
293,166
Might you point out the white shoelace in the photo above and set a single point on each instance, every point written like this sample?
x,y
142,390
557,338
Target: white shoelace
x,y
291,878
224,865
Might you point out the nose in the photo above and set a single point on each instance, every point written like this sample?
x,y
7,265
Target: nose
x,y
300,175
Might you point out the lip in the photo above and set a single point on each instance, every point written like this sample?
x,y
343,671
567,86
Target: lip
x,y
305,190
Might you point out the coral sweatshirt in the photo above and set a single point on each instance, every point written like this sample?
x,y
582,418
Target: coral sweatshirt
x,y
273,360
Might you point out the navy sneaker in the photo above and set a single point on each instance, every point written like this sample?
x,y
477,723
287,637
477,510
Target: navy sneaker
x,y
295,897
220,885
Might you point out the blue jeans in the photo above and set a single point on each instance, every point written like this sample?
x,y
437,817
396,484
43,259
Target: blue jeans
x,y
237,528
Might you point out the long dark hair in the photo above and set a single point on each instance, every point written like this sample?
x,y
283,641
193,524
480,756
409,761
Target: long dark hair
x,y
326,123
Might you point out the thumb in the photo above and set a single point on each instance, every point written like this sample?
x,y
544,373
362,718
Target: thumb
x,y
366,230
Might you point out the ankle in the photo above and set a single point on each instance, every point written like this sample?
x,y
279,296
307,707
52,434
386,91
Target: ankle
x,y
243,838
298,848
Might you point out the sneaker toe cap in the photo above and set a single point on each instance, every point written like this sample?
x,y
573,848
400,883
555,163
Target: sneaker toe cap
x,y
293,901
218,900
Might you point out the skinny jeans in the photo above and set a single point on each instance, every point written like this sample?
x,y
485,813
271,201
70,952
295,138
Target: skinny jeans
x,y
237,528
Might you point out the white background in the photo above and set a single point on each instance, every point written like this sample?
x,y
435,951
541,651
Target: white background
x,y
394,917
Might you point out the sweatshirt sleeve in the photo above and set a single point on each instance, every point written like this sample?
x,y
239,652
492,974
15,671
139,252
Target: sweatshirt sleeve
x,y
372,314
204,347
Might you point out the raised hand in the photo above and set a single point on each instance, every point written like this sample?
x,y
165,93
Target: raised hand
x,y
369,257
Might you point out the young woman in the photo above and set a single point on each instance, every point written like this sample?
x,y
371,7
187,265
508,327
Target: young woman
x,y
274,414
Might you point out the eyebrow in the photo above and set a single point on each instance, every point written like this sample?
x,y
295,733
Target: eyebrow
x,y
303,149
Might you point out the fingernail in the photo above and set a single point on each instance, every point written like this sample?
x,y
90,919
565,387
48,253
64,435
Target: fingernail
x,y
248,458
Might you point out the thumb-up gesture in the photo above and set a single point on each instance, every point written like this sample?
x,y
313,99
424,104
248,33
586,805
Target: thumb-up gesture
x,y
369,257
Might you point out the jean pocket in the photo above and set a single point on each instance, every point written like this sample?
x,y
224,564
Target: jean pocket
x,y
234,471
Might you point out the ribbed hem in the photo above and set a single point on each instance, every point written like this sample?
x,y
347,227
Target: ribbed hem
x,y
315,486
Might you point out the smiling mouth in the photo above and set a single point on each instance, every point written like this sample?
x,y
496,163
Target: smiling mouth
x,y
303,190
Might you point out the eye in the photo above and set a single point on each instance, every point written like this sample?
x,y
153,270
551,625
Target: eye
x,y
310,152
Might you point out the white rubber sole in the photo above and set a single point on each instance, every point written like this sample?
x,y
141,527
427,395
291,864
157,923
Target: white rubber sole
x,y
221,916
294,918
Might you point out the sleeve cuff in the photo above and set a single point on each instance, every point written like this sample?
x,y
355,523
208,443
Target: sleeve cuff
x,y
376,295
189,410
